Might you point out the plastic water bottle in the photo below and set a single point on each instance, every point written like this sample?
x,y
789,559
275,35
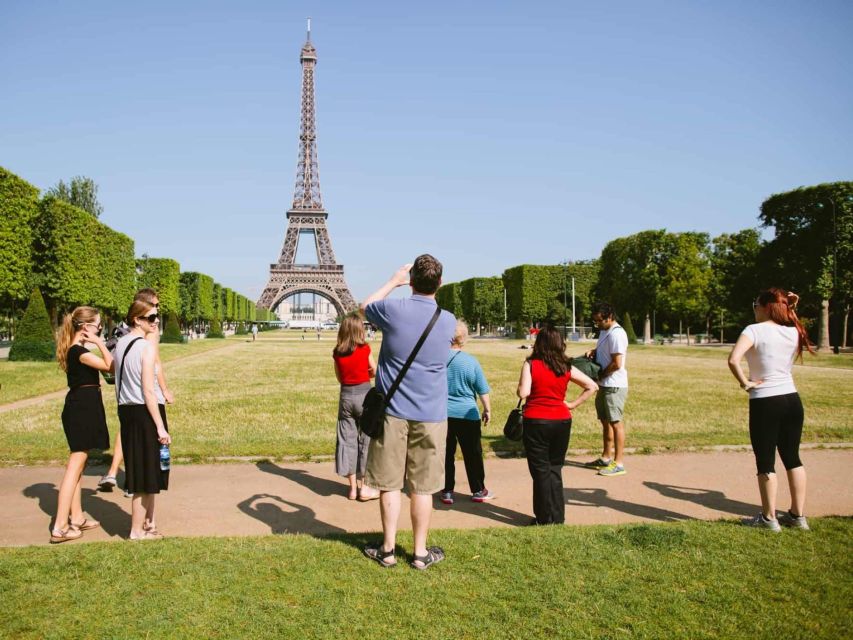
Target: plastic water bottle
x,y
165,458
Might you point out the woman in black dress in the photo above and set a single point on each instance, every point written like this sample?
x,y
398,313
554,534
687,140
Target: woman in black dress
x,y
142,415
83,417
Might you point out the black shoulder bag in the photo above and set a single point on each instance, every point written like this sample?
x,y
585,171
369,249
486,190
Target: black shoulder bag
x,y
514,426
372,419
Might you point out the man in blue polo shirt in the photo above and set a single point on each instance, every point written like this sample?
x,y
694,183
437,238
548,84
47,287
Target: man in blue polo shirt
x,y
411,447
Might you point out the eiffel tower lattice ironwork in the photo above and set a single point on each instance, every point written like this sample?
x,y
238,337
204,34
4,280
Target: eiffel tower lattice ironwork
x,y
307,217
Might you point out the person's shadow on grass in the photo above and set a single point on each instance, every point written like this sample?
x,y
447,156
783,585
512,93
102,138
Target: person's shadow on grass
x,y
296,519
594,497
114,520
320,486
709,498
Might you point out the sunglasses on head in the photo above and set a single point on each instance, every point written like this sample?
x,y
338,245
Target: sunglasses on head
x,y
153,317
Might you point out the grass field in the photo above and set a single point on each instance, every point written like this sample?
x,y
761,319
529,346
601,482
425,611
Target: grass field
x,y
278,397
687,580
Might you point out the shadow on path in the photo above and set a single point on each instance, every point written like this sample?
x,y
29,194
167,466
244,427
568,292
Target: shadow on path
x,y
577,497
114,520
320,486
705,497
296,519
485,510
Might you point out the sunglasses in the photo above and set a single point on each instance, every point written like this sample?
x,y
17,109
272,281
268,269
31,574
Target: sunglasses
x,y
92,324
150,318
755,305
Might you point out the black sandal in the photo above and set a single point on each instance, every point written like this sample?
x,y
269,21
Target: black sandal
x,y
433,555
375,552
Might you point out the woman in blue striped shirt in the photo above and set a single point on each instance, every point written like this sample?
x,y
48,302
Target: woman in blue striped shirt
x,y
465,382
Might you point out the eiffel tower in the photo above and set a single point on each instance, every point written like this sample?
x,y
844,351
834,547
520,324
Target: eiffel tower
x,y
307,217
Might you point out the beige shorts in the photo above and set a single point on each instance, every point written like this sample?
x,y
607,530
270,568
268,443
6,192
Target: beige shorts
x,y
408,451
610,403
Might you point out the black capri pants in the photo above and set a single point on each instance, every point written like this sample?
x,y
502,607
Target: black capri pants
x,y
776,422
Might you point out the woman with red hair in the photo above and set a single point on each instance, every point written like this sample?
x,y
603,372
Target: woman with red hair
x,y
775,411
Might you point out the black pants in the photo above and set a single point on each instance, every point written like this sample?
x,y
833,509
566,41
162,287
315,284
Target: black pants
x,y
468,434
776,422
546,443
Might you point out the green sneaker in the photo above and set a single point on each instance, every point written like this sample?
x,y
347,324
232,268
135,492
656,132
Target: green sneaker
x,y
598,463
613,469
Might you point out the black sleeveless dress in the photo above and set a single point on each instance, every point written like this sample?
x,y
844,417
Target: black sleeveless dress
x,y
83,417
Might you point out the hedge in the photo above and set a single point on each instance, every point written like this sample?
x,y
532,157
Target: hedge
x,y
482,300
18,211
449,298
34,339
162,275
80,261
196,291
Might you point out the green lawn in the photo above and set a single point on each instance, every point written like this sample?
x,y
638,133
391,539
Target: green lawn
x,y
686,580
21,380
278,397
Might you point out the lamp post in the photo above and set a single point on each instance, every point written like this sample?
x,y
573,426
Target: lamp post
x,y
835,293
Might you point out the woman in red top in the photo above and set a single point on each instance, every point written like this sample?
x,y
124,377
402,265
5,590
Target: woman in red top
x,y
354,367
545,376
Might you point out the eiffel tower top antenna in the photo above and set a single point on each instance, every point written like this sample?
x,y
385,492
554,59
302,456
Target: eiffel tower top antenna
x,y
309,29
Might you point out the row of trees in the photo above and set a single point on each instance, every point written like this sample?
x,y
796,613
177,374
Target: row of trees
x,y
74,259
687,281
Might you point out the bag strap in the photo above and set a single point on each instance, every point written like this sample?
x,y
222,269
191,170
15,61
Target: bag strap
x,y
121,368
412,355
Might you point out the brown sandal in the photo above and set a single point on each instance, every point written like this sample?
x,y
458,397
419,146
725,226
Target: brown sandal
x,y
58,535
86,525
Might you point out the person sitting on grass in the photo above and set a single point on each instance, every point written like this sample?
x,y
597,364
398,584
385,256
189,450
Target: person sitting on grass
x,y
83,418
465,382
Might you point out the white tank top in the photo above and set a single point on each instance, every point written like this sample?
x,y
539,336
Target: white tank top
x,y
130,391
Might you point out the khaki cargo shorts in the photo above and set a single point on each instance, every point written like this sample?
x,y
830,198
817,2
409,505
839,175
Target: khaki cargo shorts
x,y
610,403
408,451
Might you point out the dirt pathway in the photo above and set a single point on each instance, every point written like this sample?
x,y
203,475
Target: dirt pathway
x,y
264,498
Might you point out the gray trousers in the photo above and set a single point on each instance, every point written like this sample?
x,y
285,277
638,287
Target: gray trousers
x,y
351,449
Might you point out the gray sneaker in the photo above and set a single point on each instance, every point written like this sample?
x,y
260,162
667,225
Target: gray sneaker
x,y
788,519
762,523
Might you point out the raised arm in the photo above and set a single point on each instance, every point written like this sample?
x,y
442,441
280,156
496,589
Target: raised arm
x,y
400,278
105,362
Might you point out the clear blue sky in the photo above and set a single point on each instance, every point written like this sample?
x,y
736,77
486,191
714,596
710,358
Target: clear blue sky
x,y
487,133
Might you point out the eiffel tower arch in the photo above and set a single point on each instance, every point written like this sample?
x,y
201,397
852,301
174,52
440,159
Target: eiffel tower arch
x,y
307,217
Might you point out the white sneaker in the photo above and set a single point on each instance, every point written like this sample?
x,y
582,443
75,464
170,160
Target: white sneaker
x,y
788,519
761,522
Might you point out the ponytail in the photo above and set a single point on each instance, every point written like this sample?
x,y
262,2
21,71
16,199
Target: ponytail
x,y
71,324
64,340
781,307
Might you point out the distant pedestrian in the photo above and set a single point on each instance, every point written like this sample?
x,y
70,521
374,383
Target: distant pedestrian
x,y
142,416
611,353
319,330
410,450
83,418
465,383
354,367
775,410
254,332
545,376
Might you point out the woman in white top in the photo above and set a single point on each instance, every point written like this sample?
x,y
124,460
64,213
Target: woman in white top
x,y
775,411
143,418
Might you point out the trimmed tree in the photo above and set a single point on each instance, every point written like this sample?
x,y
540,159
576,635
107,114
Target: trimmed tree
x,y
18,211
172,330
215,328
34,339
629,328
162,275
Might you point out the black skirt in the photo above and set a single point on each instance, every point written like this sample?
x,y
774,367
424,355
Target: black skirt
x,y
84,420
142,449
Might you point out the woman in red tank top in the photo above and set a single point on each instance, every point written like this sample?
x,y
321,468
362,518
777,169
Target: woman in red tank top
x,y
354,367
545,376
